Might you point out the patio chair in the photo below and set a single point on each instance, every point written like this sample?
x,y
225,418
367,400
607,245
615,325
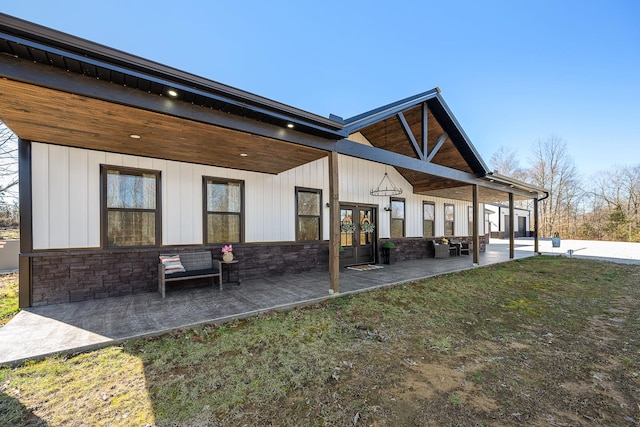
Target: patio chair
x,y
465,249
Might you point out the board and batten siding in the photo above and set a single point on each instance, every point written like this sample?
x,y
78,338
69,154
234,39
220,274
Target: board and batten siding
x,y
358,177
66,197
67,205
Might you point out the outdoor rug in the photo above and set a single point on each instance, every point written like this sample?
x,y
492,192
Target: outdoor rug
x,y
364,267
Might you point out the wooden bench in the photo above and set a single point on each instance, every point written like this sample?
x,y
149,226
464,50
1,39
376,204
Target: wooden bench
x,y
197,265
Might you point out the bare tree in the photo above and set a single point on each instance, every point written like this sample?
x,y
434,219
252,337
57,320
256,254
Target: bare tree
x,y
505,161
552,168
8,162
617,194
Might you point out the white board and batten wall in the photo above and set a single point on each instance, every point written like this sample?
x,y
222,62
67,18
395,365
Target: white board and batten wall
x,y
66,197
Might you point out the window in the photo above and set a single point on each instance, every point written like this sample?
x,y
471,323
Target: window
x,y
131,208
470,232
428,219
397,218
224,210
308,214
449,220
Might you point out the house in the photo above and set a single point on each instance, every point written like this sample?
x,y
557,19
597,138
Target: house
x,y
500,222
123,159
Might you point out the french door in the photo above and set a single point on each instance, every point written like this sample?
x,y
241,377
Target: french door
x,y
358,231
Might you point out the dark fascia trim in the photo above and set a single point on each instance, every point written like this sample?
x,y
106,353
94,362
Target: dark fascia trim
x,y
363,120
463,135
53,78
512,183
63,44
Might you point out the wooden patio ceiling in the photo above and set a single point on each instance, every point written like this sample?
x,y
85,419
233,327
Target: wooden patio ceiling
x,y
46,115
402,133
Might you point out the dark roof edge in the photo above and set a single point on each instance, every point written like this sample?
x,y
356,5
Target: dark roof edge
x,y
355,123
462,132
515,183
361,121
60,40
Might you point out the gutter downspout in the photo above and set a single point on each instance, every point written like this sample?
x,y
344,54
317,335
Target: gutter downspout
x,y
535,221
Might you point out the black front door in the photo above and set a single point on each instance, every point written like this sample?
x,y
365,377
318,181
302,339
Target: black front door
x,y
357,234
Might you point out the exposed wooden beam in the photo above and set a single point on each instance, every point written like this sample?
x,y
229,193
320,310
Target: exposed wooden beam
x,y
385,157
436,148
409,135
425,130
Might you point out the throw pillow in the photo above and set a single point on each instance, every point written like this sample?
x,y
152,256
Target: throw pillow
x,y
172,264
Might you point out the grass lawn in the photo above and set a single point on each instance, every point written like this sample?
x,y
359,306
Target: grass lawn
x,y
8,297
539,341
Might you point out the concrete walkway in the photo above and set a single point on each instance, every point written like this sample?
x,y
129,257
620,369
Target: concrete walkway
x,y
73,327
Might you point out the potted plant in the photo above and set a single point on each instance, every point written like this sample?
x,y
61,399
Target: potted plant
x,y
386,252
227,253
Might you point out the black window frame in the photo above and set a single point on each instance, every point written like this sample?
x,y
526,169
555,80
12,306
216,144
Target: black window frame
x,y
433,221
403,219
317,191
205,209
104,211
453,223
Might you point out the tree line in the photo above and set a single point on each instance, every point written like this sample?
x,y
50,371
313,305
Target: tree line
x,y
605,206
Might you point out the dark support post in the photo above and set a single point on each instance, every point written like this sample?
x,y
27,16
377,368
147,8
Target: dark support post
x,y
512,242
476,223
535,226
26,224
334,224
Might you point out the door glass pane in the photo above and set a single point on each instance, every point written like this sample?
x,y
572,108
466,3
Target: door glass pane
x,y
367,227
346,227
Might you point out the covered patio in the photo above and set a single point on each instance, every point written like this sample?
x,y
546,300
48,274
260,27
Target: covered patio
x,y
80,326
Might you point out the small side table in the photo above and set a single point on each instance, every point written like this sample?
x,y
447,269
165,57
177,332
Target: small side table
x,y
230,266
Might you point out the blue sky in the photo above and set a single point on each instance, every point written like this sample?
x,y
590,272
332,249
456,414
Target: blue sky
x,y
512,71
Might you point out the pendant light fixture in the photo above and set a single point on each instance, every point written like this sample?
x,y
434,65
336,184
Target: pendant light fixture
x,y
386,187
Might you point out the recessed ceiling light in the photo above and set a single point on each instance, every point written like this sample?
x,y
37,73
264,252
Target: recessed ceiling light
x,y
172,93
135,136
290,125
243,154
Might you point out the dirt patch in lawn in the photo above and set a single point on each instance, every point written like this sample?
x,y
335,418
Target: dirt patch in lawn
x,y
545,341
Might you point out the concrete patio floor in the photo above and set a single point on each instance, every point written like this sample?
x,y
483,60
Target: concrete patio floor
x,y
73,327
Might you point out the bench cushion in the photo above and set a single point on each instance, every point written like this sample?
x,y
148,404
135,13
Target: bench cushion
x,y
172,264
191,273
